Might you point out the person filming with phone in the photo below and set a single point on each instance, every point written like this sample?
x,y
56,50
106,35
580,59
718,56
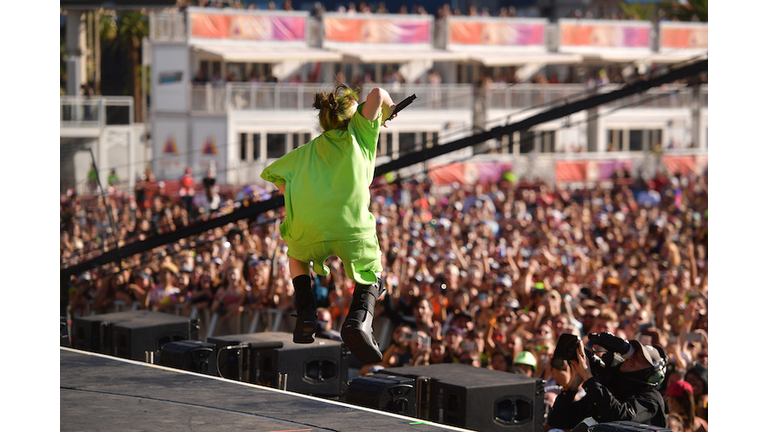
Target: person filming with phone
x,y
620,385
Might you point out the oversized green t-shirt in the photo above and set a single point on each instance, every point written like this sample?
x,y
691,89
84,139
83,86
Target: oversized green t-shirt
x,y
327,184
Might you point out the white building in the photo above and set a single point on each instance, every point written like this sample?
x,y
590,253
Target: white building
x,y
241,125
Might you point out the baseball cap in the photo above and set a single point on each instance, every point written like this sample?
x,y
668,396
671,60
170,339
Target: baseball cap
x,y
505,280
462,314
650,353
678,388
456,330
526,358
170,267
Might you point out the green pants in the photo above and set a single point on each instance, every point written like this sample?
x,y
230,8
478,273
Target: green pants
x,y
361,258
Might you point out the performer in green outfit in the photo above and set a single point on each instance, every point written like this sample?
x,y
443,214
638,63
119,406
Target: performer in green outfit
x,y
326,187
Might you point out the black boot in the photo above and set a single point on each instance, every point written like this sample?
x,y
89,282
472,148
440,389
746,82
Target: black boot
x,y
357,330
306,310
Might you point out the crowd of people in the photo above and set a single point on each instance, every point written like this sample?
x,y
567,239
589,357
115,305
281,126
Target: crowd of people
x,y
487,275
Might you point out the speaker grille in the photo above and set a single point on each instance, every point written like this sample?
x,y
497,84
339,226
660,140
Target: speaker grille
x,y
513,410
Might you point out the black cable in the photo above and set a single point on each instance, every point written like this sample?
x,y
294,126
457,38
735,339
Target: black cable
x,y
199,243
276,202
535,135
564,99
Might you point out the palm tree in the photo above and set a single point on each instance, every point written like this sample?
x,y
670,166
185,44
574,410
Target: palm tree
x,y
123,32
638,11
694,10
669,9
132,27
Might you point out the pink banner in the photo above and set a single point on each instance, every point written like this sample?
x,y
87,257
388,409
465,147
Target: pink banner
x,y
495,33
366,30
247,27
604,35
470,173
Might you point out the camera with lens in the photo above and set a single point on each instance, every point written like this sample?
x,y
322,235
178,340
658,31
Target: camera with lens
x,y
566,350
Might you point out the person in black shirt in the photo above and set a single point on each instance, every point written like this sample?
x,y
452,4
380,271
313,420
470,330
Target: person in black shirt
x,y
622,385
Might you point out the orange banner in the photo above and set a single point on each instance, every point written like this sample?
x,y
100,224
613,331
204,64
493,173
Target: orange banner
x,y
469,173
505,33
570,171
684,37
685,164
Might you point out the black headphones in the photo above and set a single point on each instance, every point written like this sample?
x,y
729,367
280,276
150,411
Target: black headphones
x,y
657,371
654,375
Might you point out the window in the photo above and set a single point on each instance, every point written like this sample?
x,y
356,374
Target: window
x,y
527,141
655,138
641,140
547,141
407,143
207,69
256,146
275,145
613,140
299,139
235,72
250,146
636,139
244,147
428,139
385,144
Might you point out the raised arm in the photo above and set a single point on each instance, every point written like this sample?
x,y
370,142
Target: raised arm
x,y
378,99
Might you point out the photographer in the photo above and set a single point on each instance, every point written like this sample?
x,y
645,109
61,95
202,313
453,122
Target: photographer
x,y
620,386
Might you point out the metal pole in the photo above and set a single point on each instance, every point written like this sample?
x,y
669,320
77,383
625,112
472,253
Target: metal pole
x,y
104,199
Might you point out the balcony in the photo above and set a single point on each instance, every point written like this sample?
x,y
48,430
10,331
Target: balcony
x,y
210,98
95,112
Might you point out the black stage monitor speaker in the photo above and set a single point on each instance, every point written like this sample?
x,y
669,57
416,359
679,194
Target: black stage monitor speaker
x,y
89,334
190,355
626,426
480,399
130,334
64,332
392,393
272,359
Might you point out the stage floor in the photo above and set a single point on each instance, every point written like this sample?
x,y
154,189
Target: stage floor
x,y
103,393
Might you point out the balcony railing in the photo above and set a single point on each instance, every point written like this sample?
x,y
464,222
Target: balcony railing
x,y
79,111
167,26
520,96
297,97
293,97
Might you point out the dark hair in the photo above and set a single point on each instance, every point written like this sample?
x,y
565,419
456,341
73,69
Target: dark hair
x,y
420,299
334,107
507,357
688,405
701,372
